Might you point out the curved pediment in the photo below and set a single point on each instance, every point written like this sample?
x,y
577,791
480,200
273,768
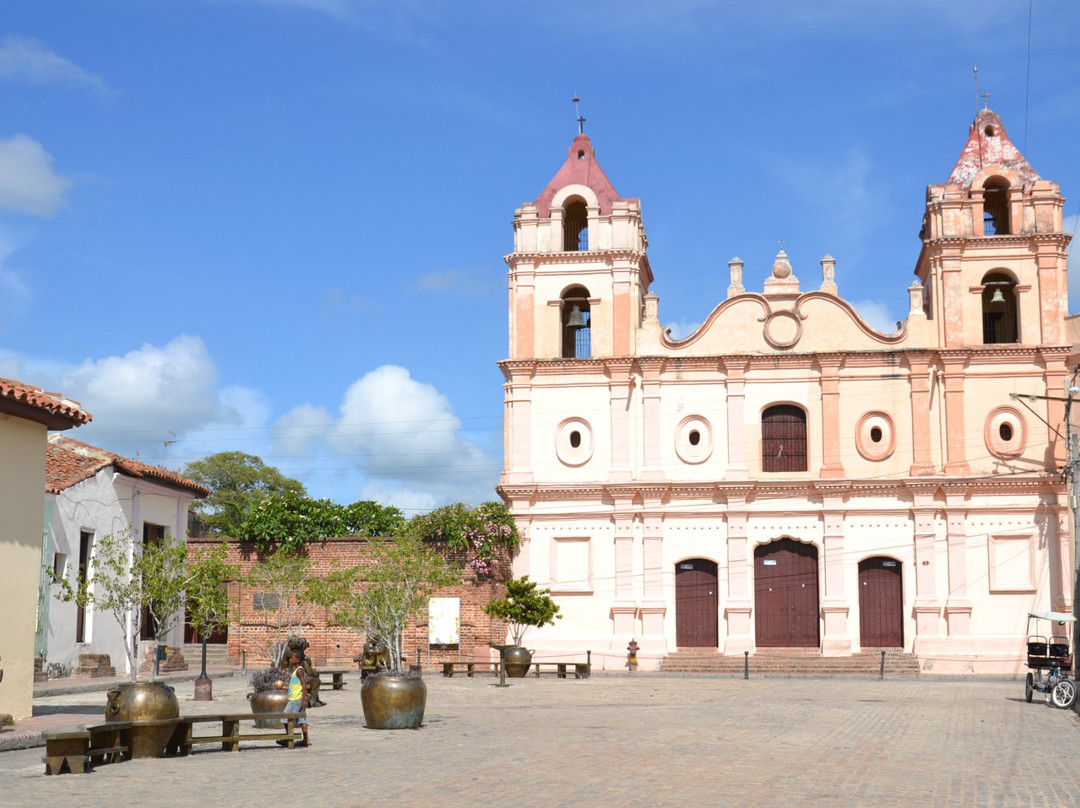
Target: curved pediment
x,y
815,321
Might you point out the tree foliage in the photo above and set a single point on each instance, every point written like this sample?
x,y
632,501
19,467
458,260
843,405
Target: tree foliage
x,y
289,520
392,587
207,594
236,481
127,576
523,605
480,531
289,594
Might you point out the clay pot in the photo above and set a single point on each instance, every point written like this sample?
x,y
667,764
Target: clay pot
x,y
518,660
151,702
268,701
393,702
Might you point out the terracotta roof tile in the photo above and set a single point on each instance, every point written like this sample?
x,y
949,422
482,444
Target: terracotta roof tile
x,y
33,403
69,461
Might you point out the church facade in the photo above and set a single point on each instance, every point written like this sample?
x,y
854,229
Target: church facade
x,y
788,476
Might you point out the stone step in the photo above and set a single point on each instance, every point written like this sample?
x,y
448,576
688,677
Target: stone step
x,y
791,662
217,654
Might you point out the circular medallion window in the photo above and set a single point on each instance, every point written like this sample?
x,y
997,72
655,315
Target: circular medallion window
x,y
574,442
782,329
1005,433
693,439
875,437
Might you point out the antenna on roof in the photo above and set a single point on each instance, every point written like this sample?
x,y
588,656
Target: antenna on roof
x,y
976,71
577,109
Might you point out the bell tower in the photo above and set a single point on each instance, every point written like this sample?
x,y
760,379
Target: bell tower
x,y
993,259
578,273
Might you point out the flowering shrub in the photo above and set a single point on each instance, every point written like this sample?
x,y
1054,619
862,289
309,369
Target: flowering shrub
x,y
479,531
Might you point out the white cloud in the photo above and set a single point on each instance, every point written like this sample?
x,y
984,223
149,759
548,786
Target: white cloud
x,y
149,391
681,329
25,60
27,181
402,434
877,315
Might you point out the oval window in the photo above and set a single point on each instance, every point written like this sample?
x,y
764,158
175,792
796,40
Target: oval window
x,y
575,439
1006,432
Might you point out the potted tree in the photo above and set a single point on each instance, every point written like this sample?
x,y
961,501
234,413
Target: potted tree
x,y
128,578
284,595
380,597
523,605
207,602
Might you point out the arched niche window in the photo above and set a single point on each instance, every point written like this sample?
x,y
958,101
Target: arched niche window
x,y
576,227
576,324
999,309
783,438
996,208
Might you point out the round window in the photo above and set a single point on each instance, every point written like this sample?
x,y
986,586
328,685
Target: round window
x,y
875,437
693,440
574,442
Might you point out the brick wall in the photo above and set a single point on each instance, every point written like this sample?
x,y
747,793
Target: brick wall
x,y
333,646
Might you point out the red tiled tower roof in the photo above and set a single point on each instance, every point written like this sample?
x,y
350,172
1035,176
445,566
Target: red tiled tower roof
x,y
988,144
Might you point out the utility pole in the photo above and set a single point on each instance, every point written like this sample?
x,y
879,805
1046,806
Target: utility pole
x,y
1072,472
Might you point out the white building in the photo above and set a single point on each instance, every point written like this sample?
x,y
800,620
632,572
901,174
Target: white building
x,y
91,493
788,476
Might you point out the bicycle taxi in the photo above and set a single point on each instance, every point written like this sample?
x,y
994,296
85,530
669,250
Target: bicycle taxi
x,y
1049,659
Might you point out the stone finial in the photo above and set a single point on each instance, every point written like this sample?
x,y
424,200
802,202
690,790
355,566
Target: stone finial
x,y
782,283
915,299
828,274
735,265
782,268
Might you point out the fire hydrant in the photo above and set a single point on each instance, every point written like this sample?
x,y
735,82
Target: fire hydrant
x,y
631,658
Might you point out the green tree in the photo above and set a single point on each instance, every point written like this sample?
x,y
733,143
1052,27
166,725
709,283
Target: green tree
x,y
523,605
287,521
480,531
127,576
207,592
236,481
288,593
390,588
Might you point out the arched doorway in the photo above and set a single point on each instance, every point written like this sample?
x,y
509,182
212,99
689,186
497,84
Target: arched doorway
x,y
786,595
881,603
696,604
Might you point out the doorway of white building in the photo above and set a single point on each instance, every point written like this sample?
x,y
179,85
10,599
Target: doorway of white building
x,y
881,603
696,602
786,595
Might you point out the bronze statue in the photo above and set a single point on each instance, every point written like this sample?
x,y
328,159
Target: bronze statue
x,y
374,658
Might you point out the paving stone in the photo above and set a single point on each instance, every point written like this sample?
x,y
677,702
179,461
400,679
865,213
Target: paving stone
x,y
627,740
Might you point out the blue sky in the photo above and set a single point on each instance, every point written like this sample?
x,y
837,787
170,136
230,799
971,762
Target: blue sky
x,y
277,226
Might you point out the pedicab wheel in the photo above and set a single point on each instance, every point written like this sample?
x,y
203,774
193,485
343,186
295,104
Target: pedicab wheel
x,y
1029,687
1064,694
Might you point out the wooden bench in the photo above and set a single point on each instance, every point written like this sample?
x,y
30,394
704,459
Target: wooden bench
x,y
470,668
232,734
562,669
80,748
337,677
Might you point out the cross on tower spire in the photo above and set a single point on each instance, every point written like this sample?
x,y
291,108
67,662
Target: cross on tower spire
x,y
580,120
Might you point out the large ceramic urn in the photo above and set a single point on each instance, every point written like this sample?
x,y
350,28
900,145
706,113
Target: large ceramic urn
x,y
273,700
152,709
393,701
517,659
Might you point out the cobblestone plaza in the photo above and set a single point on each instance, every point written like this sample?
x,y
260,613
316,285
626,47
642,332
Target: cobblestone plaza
x,y
635,740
